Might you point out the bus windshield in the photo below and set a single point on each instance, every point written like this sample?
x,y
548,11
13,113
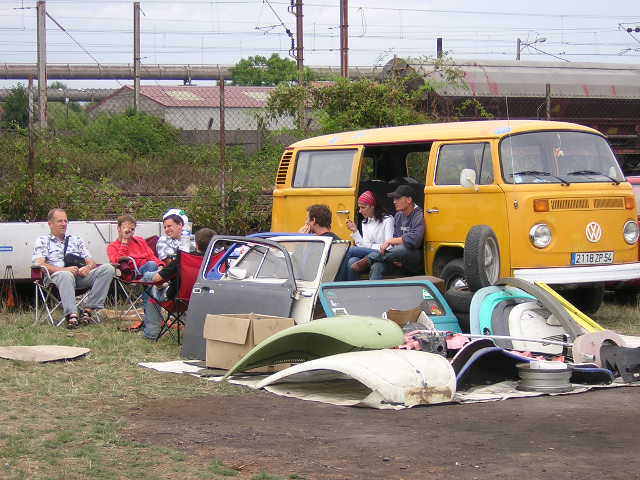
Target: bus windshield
x,y
558,157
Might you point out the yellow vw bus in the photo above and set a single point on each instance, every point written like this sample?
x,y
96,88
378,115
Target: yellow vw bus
x,y
538,200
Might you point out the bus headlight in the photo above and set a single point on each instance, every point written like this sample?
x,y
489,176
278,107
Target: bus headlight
x,y
540,235
630,232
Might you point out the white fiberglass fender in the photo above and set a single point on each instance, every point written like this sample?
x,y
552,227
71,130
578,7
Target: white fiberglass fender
x,y
385,379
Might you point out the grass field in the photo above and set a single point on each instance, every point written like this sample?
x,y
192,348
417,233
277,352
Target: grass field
x,y
65,420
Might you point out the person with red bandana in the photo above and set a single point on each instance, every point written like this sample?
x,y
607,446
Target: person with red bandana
x,y
377,228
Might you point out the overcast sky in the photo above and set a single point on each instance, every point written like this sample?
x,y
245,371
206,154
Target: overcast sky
x,y
223,32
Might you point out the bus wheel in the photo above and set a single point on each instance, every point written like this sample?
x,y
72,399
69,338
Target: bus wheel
x,y
587,298
481,257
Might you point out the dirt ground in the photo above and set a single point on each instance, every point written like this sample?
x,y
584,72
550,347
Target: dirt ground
x,y
590,435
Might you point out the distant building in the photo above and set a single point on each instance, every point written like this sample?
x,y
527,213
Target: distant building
x,y
196,108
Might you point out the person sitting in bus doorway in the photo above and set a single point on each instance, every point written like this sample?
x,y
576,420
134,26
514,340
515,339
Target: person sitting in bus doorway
x,y
318,222
377,227
72,267
402,254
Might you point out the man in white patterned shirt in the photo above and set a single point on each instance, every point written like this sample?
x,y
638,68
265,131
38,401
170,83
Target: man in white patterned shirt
x,y
49,251
169,243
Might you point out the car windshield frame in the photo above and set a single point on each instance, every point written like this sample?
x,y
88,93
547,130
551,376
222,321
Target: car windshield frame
x,y
558,156
262,262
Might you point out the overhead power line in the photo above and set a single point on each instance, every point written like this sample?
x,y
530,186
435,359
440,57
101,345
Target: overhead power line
x,y
71,37
572,15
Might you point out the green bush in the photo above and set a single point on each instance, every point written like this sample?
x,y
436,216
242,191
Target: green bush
x,y
132,133
101,169
14,109
30,200
238,218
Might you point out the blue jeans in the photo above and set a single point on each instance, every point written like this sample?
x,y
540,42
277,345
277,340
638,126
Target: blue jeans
x,y
410,258
353,255
152,315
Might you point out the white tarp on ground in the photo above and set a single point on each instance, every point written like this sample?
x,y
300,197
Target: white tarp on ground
x,y
42,353
337,389
175,366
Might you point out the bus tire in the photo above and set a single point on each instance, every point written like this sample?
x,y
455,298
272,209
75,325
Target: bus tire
x,y
481,257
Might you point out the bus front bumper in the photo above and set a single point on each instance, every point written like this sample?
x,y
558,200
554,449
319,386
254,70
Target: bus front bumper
x,y
585,274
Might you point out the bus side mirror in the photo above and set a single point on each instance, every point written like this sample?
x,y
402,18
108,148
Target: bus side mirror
x,y
468,178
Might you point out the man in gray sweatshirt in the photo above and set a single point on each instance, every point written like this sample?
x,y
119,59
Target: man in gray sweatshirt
x,y
402,254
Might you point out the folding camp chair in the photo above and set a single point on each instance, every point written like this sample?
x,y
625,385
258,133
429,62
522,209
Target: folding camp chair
x,y
47,297
128,289
177,308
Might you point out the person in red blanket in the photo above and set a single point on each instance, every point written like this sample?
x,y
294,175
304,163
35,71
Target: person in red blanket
x,y
128,245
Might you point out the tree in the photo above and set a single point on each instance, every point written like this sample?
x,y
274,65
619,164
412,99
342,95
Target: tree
x,y
15,107
401,97
262,71
351,104
58,85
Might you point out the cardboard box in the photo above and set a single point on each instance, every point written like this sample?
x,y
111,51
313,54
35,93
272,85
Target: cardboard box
x,y
230,336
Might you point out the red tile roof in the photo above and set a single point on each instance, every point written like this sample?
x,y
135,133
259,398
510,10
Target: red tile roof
x,y
186,96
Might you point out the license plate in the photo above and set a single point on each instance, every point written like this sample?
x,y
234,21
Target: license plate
x,y
591,258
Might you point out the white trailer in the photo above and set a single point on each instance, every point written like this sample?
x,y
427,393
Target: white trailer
x,y
17,239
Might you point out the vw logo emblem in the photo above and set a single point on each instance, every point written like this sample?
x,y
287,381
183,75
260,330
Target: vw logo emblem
x,y
594,232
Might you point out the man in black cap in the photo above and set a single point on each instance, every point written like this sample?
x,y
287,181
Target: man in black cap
x,y
402,254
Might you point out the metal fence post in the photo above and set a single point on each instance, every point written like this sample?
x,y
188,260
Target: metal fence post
x,y
223,201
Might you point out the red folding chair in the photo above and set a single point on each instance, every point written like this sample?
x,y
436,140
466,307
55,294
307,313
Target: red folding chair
x,y
176,308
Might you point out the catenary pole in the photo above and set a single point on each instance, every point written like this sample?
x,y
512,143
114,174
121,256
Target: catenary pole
x,y
300,58
136,56
344,38
42,63
300,41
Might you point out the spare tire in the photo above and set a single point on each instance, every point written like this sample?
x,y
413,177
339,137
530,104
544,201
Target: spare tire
x,y
459,299
463,321
453,274
481,257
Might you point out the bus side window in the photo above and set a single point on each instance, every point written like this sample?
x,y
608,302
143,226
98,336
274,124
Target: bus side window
x,y
368,169
452,159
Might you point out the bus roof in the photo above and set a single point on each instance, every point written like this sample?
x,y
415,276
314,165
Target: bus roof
x,y
429,132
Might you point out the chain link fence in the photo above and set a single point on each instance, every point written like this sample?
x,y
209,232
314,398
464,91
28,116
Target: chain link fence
x,y
221,149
